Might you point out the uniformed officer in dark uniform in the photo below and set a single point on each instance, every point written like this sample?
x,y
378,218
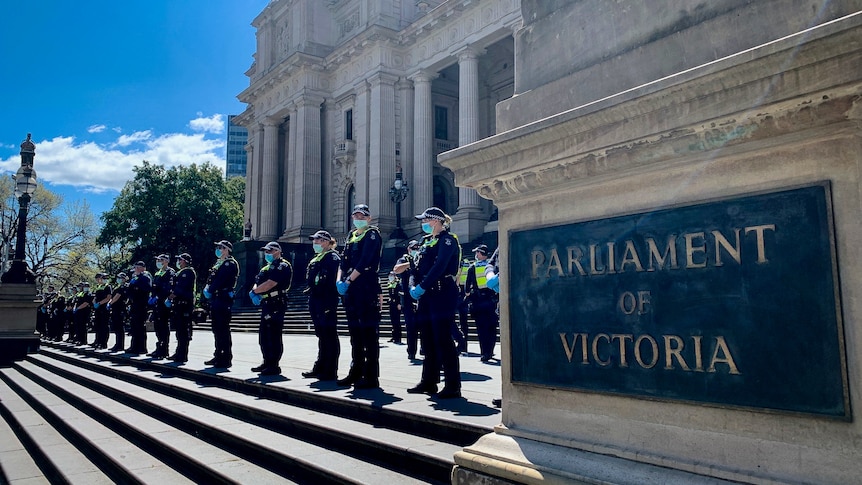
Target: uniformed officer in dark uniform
x,y
140,287
118,308
393,302
163,282
436,290
101,323
82,310
483,303
43,314
358,284
219,290
270,292
57,321
402,268
182,301
320,276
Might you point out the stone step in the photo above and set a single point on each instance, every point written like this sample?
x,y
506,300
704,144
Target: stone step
x,y
314,439
17,459
102,455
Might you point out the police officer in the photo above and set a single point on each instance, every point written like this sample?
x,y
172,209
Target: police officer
x,y
270,292
163,282
358,284
403,270
436,290
393,301
483,303
461,331
57,320
82,310
101,324
139,290
320,276
118,309
220,292
182,301
43,315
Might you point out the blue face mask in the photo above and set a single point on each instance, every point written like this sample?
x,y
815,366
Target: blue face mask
x,y
159,264
426,227
179,266
414,253
269,257
318,248
120,281
218,253
360,223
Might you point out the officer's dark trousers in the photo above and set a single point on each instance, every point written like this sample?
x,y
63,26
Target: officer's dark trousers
x,y
395,318
363,322
325,319
182,321
82,319
162,327
118,322
100,326
485,315
410,325
462,333
221,316
138,324
270,333
436,314
55,326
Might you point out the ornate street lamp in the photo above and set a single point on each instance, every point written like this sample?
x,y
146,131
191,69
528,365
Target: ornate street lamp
x,y
397,194
25,185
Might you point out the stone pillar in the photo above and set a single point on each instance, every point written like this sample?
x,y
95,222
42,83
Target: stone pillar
x,y
305,189
255,181
469,221
249,176
405,97
382,149
423,146
269,182
289,170
360,135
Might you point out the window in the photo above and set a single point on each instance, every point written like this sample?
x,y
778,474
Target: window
x,y
441,123
348,124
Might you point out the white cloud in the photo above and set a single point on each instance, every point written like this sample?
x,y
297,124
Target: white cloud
x,y
126,140
214,124
96,168
96,128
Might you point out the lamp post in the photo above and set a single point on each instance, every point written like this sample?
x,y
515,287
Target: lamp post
x,y
397,194
25,185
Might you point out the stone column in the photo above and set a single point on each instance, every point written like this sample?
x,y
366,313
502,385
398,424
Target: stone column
x,y
255,182
469,221
382,149
360,135
423,146
269,182
405,93
249,176
289,169
305,189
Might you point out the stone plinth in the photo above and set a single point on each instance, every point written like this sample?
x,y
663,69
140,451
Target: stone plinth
x,y
778,116
18,335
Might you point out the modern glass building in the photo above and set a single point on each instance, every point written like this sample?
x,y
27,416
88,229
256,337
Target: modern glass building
x,y
235,157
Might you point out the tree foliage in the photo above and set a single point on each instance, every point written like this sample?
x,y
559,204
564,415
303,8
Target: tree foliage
x,y
59,240
175,210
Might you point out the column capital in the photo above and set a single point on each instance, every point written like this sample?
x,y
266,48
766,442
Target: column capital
x,y
468,52
382,78
404,83
423,76
308,100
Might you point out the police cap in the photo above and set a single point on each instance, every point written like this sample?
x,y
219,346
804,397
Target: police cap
x,y
185,257
321,234
164,257
361,209
271,246
432,213
141,263
482,248
225,243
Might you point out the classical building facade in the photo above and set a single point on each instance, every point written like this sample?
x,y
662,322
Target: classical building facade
x,y
345,96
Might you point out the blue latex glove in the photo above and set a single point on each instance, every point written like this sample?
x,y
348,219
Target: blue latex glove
x,y
75,310
255,298
108,306
230,294
152,301
207,293
168,303
416,292
342,286
493,282
96,305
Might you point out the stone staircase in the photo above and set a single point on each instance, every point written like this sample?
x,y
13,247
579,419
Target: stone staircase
x,y
79,419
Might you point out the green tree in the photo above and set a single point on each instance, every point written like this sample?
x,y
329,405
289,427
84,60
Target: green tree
x,y
175,210
59,248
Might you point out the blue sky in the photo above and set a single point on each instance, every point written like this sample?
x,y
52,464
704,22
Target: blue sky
x,y
104,85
